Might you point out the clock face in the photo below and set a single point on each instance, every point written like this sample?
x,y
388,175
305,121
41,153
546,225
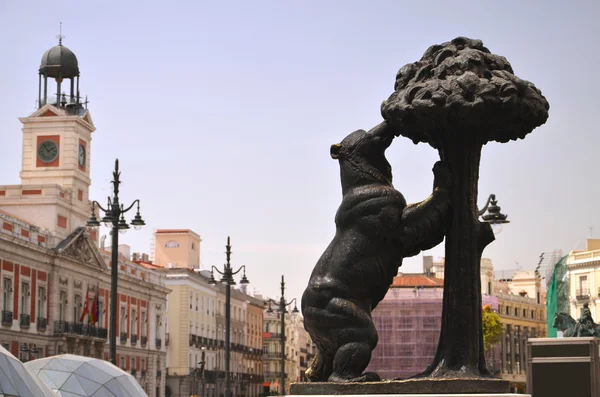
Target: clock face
x,y
81,155
47,151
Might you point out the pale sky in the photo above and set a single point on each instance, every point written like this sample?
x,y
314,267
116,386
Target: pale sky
x,y
222,114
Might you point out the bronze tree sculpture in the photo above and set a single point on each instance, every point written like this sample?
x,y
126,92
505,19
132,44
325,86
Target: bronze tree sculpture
x,y
458,97
375,230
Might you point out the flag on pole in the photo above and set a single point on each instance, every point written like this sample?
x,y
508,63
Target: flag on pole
x,y
86,306
95,314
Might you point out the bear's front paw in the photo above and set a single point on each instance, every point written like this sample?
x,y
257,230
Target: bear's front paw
x,y
441,173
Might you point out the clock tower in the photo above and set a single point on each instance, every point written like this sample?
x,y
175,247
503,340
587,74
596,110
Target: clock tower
x,y
55,170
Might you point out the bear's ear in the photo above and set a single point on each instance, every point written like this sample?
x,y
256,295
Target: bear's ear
x,y
335,150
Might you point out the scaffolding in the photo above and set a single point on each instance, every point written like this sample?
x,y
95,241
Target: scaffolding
x,y
408,321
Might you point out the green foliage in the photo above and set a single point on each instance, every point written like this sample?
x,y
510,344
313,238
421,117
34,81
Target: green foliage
x,y
492,327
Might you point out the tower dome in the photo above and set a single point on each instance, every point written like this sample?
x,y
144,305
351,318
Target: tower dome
x,y
59,62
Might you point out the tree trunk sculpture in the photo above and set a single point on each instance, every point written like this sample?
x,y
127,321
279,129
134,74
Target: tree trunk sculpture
x,y
457,98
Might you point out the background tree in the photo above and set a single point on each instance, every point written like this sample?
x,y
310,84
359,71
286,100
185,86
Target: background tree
x,y
458,97
491,325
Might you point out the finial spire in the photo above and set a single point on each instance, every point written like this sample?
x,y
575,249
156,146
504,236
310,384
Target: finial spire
x,y
60,36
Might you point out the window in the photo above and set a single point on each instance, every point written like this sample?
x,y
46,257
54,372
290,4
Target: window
x,y
172,244
583,284
100,313
197,303
133,322
132,363
25,294
533,314
7,294
143,327
123,317
62,304
191,298
123,363
41,302
524,313
507,310
516,312
76,308
193,246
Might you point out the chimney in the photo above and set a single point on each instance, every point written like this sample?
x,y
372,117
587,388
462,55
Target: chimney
x,y
145,258
136,256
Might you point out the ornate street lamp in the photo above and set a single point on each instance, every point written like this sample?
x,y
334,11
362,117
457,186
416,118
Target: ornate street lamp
x,y
282,308
494,217
227,279
115,219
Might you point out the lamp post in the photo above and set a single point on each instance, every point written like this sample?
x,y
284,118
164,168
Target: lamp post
x,y
494,217
227,279
202,362
114,218
282,309
26,352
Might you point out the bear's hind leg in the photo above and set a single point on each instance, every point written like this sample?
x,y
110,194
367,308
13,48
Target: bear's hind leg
x,y
356,338
320,368
349,362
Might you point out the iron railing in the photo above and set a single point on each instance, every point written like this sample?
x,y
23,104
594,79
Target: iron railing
x,y
24,320
7,317
80,329
41,324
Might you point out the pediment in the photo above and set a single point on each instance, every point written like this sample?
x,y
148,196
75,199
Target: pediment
x,y
87,117
79,246
47,111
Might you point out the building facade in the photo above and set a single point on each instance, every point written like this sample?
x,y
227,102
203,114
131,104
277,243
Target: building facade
x,y
55,278
583,273
196,324
299,350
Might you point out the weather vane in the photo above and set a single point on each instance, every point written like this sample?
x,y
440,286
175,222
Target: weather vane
x,y
60,36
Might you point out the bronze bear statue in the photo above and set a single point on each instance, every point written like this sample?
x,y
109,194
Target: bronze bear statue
x,y
375,230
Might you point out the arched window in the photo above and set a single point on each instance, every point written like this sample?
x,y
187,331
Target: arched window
x,y
172,244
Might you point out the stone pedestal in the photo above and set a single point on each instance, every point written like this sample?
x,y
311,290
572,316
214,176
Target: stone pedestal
x,y
408,387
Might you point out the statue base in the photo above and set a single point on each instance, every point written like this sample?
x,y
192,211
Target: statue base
x,y
425,386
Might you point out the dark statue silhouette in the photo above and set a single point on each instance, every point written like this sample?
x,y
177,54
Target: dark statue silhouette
x,y
585,326
375,230
457,98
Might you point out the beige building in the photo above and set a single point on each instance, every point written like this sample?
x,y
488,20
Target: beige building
x,y
584,279
299,349
197,324
51,266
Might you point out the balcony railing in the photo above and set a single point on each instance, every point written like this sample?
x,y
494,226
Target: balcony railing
x,y
24,320
41,324
143,341
158,343
7,317
133,339
271,335
80,329
123,336
582,294
272,355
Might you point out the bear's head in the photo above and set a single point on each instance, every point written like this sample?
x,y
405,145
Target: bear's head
x,y
362,157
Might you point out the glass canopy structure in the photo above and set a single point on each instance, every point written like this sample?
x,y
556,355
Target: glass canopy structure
x,y
69,375
16,381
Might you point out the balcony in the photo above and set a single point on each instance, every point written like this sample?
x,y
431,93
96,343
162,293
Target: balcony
x,y
582,294
41,324
123,336
79,329
272,355
271,335
24,321
158,343
192,340
133,339
7,317
143,341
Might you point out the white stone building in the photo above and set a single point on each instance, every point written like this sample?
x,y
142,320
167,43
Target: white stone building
x,y
51,267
